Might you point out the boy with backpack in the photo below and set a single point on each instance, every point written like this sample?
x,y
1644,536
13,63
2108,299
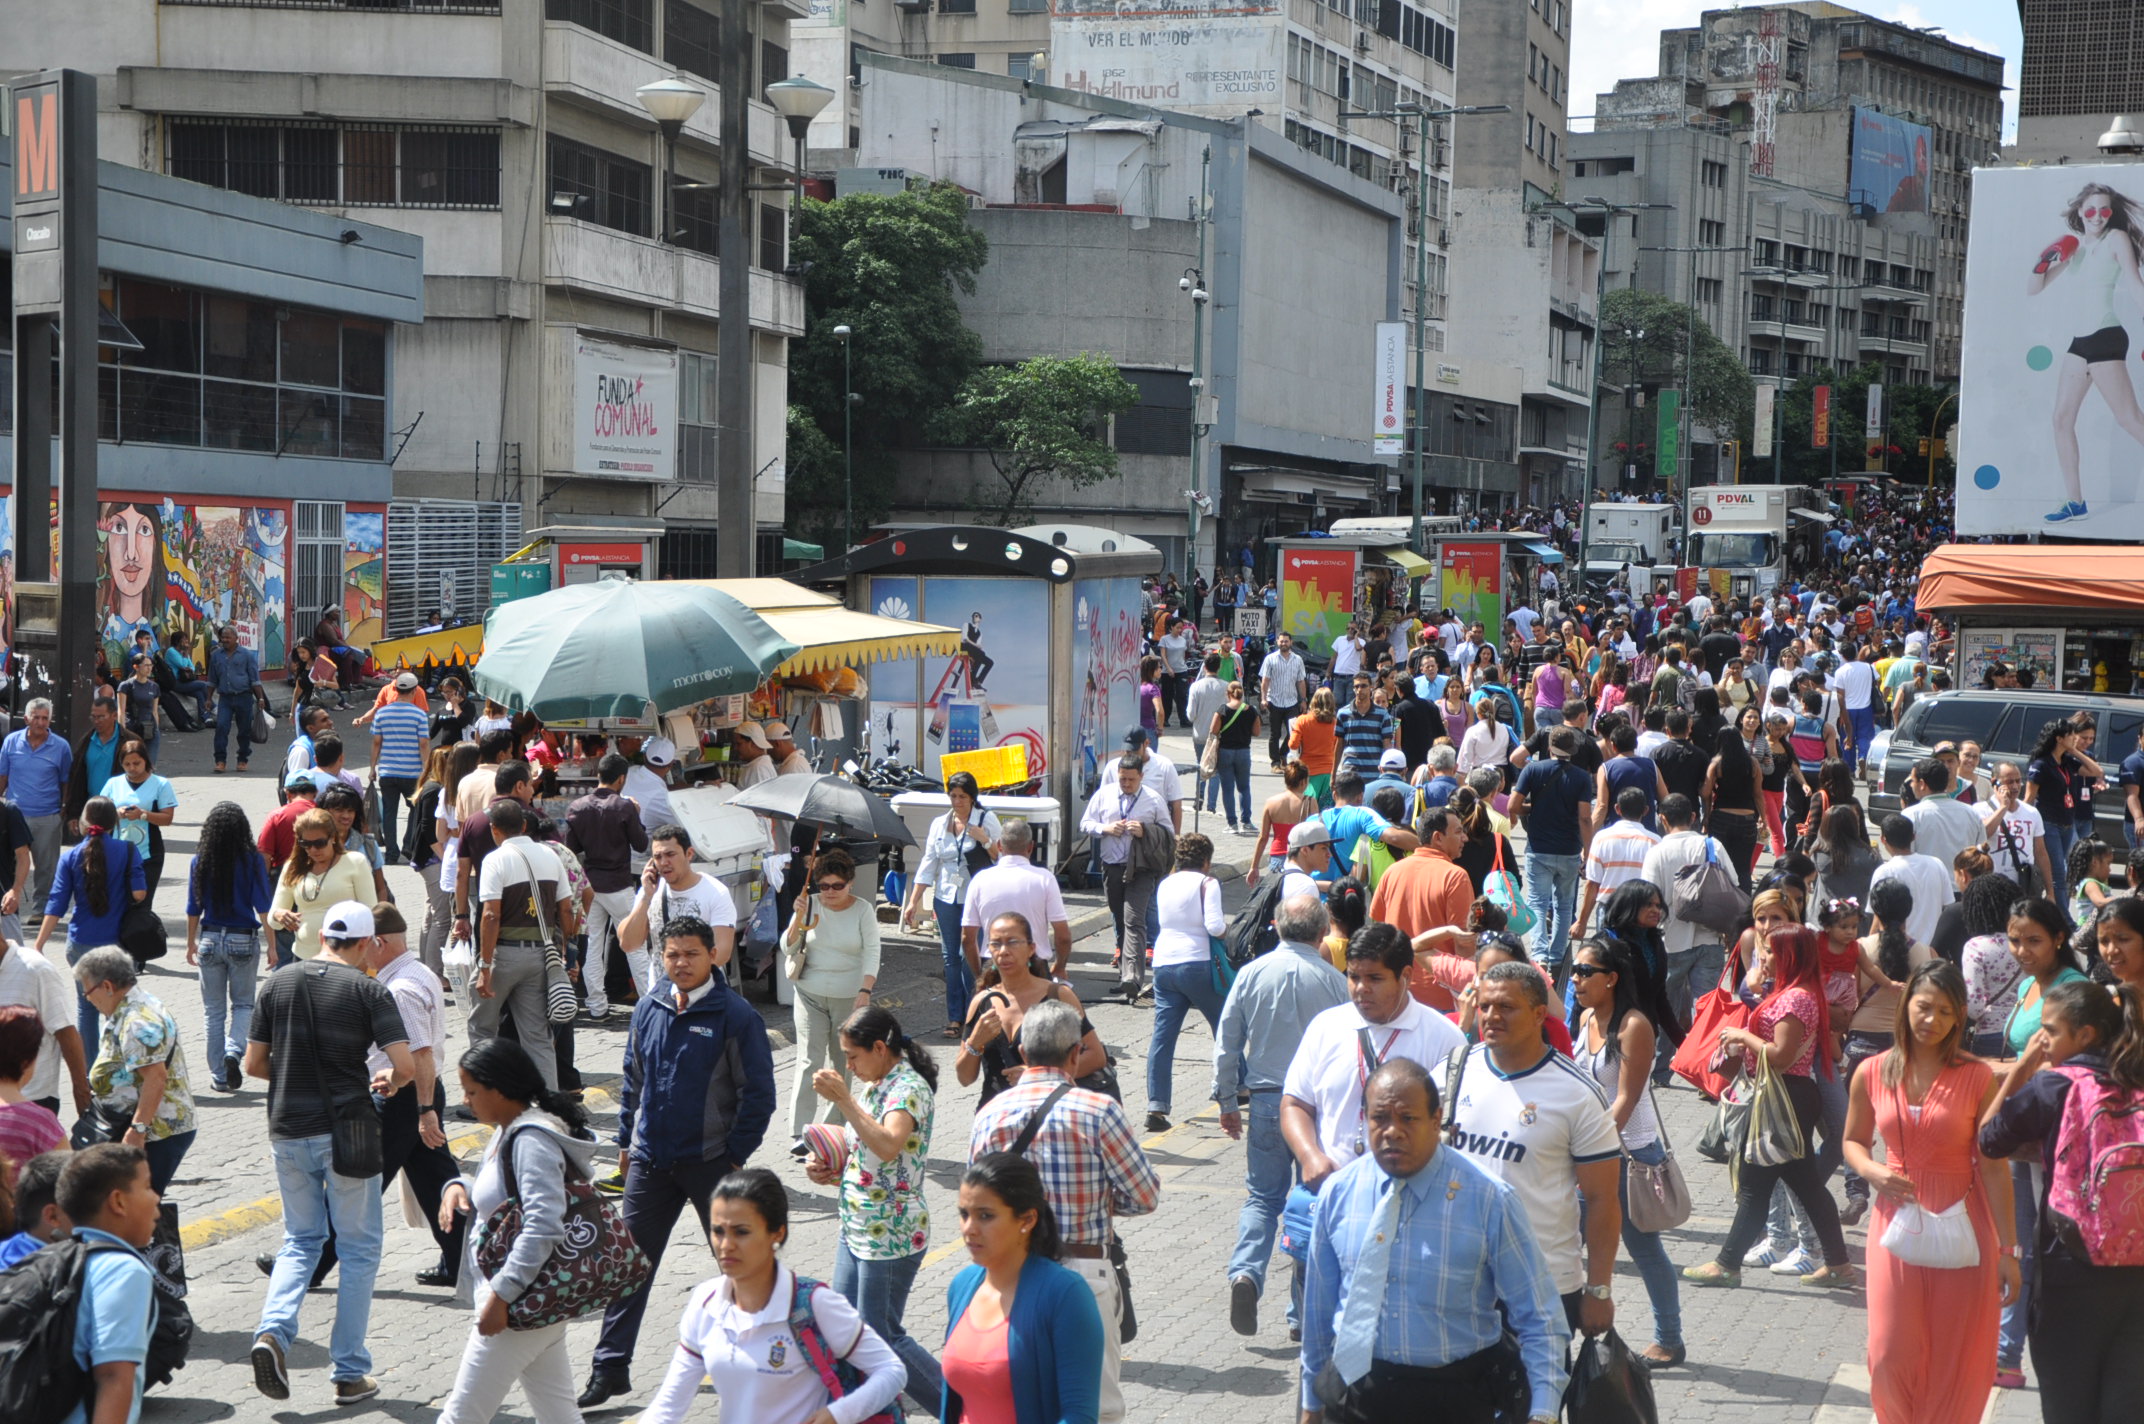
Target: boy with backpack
x,y
38,1217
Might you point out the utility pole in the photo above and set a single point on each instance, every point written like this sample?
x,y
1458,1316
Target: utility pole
x,y
736,506
1194,282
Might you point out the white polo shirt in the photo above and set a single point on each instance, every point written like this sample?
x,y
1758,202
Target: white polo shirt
x,y
1328,1071
1534,1130
422,1000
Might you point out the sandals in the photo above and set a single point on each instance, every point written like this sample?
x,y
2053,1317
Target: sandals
x,y
952,1033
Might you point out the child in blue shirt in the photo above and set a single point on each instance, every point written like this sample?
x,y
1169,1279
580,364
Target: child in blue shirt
x,y
105,1190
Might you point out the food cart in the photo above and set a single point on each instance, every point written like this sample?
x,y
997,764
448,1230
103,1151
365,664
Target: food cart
x,y
1014,676
2071,613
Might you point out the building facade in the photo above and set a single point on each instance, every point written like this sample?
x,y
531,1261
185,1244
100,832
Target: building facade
x,y
2083,64
506,135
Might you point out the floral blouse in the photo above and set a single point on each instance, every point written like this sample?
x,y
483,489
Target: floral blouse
x,y
138,1035
883,1215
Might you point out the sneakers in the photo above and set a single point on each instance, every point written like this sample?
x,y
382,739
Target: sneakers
x,y
614,1184
1796,1263
2073,510
1243,1305
1712,1273
1761,1257
356,1391
2009,1377
270,1376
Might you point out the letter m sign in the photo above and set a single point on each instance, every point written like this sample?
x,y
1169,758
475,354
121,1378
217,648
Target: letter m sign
x,y
37,142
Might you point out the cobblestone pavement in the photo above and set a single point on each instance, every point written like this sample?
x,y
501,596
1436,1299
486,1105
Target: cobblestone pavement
x,y
1772,1351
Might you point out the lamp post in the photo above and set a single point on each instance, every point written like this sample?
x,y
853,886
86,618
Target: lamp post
x,y
670,102
798,101
1689,358
848,446
1193,284
1933,422
1421,116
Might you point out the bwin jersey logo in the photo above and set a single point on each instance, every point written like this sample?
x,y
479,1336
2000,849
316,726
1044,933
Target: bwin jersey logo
x,y
1497,1149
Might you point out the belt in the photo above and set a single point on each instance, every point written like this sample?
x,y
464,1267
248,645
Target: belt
x,y
1256,1091
1085,1253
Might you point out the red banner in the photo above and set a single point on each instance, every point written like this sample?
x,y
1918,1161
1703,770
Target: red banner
x,y
1820,433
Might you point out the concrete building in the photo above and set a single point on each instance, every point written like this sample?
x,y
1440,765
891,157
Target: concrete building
x,y
507,137
1520,56
2083,64
1091,206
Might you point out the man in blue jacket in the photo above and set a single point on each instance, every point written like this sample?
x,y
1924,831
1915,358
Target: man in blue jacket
x,y
698,1094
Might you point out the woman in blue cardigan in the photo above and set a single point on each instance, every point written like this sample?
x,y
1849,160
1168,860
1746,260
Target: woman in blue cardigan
x,y
1025,1343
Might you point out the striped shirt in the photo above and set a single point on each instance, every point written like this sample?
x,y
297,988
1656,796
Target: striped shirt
x,y
1091,1165
402,728
1363,737
1617,855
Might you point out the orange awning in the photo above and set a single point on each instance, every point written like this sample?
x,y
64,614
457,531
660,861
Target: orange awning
x,y
2083,576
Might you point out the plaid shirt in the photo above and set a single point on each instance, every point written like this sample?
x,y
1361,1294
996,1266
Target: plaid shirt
x,y
1091,1165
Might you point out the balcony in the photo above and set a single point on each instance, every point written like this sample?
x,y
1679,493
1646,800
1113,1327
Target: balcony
x,y
602,74
1806,278
1894,346
1780,330
1885,290
644,272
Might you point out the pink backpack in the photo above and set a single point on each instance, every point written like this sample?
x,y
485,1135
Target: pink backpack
x,y
2097,1179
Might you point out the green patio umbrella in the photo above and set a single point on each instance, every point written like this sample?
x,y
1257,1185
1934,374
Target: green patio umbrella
x,y
609,648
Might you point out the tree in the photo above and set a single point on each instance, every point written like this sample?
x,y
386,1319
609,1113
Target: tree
x,y
1042,420
1678,350
888,267
1908,412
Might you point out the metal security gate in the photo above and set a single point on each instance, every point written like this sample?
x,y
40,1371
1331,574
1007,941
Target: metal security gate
x,y
439,558
315,564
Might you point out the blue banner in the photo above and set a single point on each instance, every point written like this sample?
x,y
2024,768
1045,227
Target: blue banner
x,y
1888,169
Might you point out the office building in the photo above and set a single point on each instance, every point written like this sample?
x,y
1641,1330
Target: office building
x,y
2083,64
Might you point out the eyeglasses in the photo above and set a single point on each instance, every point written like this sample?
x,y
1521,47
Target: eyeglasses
x,y
312,843
1007,943
1587,971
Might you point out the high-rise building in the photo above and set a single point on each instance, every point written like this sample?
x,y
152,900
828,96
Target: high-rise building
x,y
2083,64
506,134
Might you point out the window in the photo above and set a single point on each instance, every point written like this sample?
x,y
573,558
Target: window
x,y
958,61
630,22
350,165
1160,424
608,190
1608,166
696,418
1711,232
1029,7
1022,66
773,65
1712,175
1767,252
692,39
1708,290
693,213
956,7
773,237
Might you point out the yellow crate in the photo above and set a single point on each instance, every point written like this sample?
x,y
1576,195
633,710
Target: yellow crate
x,y
991,767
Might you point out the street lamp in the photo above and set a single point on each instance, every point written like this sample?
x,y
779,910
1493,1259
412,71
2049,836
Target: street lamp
x,y
1686,419
848,446
670,102
1421,116
798,101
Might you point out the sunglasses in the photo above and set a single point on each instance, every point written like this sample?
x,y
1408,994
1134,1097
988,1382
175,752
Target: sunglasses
x,y
831,887
1587,971
312,843
2096,212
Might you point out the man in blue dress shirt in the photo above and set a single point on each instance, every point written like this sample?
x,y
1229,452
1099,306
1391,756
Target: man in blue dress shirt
x,y
1413,1248
34,763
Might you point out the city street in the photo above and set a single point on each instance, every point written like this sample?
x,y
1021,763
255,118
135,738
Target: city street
x,y
1774,1351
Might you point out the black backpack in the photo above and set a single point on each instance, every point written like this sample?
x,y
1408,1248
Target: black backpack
x,y
40,1383
1251,932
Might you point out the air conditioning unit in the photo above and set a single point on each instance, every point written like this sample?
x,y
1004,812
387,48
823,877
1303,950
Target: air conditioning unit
x,y
913,7
1362,42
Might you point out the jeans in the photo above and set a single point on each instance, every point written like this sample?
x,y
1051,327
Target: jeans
x,y
199,690
234,707
1662,1286
2059,840
959,981
1277,720
86,1018
2084,1347
1690,972
2017,1316
1552,891
1233,775
394,790
879,1291
1737,836
1756,1182
165,1154
316,1199
230,974
1101,1278
1864,721
654,1196
1861,1046
1268,1173
517,984
492,1364
286,948
428,1170
1178,989
438,921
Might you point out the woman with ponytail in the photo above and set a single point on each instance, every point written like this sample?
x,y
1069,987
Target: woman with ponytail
x,y
540,1139
97,878
878,1161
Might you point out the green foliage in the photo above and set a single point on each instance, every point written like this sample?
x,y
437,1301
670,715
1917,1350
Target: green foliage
x,y
1720,392
1042,420
889,268
1909,412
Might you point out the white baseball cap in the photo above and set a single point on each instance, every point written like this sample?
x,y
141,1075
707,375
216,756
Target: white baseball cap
x,y
658,751
755,734
778,732
348,919
1393,759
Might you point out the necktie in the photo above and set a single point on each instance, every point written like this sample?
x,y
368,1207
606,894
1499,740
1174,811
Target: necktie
x,y
1357,1335
684,1000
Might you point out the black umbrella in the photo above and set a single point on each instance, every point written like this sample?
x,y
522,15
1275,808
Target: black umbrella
x,y
813,798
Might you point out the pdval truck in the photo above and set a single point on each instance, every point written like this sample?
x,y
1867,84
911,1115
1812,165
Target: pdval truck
x,y
1746,540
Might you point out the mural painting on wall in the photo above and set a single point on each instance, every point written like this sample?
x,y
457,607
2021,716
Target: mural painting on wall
x,y
182,570
364,563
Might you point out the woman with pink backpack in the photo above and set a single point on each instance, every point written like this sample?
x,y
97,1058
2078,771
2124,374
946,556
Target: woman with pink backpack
x,y
2084,1117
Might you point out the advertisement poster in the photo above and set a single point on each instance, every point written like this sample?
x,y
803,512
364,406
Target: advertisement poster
x,y
1219,58
1820,418
1760,442
992,693
2050,436
1473,578
1667,438
1887,170
1388,431
1106,646
624,410
2036,648
1317,593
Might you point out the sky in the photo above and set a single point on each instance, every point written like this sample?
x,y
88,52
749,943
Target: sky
x,y
1620,39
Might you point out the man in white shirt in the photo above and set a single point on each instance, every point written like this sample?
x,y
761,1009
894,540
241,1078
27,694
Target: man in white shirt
x,y
1616,855
671,889
1525,1113
649,786
526,902
1016,885
1310,855
1928,878
413,1136
1696,953
1283,685
1347,661
1942,825
1856,682
30,979
1451,633
2017,833
1321,1099
782,751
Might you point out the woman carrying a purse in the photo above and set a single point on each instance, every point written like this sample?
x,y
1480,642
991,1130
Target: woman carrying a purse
x,y
1940,1264
961,842
1614,1041
546,1135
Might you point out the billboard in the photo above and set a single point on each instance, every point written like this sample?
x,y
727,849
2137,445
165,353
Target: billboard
x,y
992,693
1473,588
2050,439
1820,418
1219,58
1317,593
1388,427
1887,167
624,410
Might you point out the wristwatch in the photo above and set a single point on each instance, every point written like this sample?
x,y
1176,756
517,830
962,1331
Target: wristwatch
x,y
1598,1292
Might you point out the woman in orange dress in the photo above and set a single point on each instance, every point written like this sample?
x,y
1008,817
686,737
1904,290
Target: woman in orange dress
x,y
1932,1330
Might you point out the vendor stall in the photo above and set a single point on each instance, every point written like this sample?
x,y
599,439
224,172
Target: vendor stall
x,y
1327,581
2071,613
1047,654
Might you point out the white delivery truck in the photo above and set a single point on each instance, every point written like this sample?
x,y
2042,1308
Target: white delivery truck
x,y
1758,536
1640,536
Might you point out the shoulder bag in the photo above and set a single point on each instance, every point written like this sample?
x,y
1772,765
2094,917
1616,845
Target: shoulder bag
x,y
1705,893
560,1003
839,1377
597,1263
1222,966
1502,888
1938,1240
354,1124
1659,1198
1775,1130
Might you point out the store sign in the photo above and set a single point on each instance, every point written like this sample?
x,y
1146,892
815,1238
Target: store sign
x,y
1760,445
624,411
578,555
1820,420
1389,427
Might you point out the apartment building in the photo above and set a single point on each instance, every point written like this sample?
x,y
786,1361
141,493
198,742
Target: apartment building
x,y
506,135
2083,64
